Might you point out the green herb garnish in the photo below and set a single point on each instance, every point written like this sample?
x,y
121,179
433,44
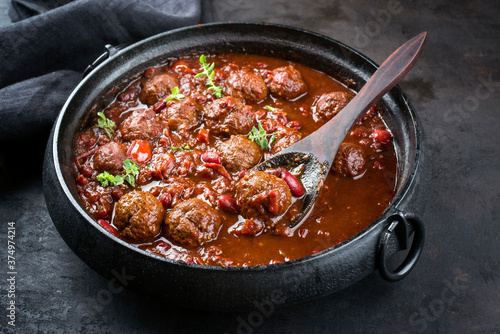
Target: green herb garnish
x,y
107,179
106,124
183,147
272,109
131,171
260,137
175,95
207,70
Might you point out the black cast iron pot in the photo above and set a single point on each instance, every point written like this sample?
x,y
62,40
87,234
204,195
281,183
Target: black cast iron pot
x,y
220,288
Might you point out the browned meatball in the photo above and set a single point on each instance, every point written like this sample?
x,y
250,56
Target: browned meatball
x,y
329,105
287,83
259,193
229,115
141,124
138,215
185,112
192,223
247,86
350,160
239,153
157,87
285,137
109,157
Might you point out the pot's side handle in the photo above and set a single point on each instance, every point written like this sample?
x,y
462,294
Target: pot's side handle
x,y
401,226
109,52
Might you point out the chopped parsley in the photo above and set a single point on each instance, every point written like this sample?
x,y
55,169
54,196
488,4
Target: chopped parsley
x,y
207,70
175,95
106,124
260,137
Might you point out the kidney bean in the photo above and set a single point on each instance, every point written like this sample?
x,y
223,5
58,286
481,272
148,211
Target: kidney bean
x,y
164,246
105,225
166,200
86,171
82,180
211,157
294,184
294,124
159,106
382,136
117,193
228,204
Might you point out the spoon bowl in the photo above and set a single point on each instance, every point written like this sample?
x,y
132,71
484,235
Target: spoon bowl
x,y
314,154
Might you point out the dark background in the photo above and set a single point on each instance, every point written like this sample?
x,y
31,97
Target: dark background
x,y
455,287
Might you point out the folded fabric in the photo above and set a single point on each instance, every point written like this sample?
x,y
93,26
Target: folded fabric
x,y
42,57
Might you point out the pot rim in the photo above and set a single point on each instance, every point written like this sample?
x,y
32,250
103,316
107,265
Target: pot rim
x,y
396,201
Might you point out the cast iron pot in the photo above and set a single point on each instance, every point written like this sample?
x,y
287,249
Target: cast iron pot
x,y
220,288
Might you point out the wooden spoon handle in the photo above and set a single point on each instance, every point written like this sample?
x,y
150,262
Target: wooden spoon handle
x,y
325,141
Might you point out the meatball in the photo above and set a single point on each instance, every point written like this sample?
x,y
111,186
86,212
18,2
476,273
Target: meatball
x,y
192,223
229,115
138,215
109,158
259,193
329,105
287,83
157,87
184,113
239,153
285,137
350,160
141,124
247,86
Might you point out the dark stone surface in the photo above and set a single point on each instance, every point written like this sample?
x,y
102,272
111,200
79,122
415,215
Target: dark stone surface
x,y
455,287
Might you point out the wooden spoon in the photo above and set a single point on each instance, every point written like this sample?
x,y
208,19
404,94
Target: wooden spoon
x,y
315,153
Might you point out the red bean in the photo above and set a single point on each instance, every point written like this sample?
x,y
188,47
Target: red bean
x,y
159,106
166,200
382,136
228,204
105,225
211,157
164,245
294,184
82,180
294,124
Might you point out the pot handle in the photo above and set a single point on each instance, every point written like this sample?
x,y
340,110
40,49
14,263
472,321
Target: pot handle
x,y
109,52
400,225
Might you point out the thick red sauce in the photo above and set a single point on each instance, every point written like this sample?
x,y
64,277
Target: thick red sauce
x,y
352,198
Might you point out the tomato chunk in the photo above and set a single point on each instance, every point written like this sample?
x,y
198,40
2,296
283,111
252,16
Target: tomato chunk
x,y
139,151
